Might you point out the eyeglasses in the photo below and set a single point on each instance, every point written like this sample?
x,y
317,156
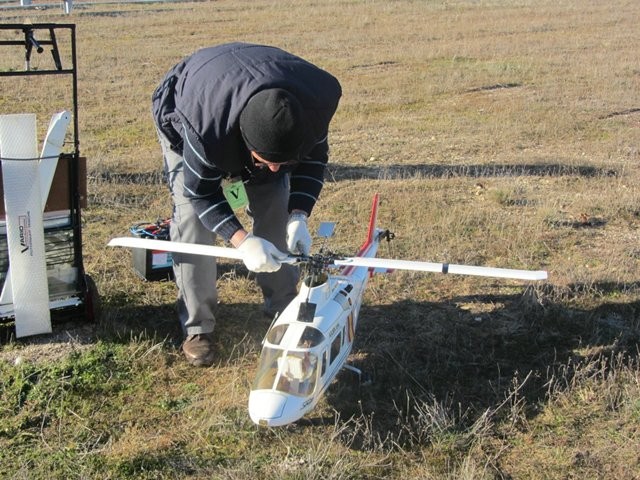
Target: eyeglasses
x,y
262,163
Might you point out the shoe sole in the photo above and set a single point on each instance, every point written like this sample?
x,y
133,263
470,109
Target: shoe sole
x,y
198,362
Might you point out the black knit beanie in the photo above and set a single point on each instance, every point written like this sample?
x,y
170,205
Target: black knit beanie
x,y
272,125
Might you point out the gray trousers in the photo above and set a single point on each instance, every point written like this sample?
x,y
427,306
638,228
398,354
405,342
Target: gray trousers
x,y
195,275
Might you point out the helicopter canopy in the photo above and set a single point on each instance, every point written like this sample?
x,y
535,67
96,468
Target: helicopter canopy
x,y
289,371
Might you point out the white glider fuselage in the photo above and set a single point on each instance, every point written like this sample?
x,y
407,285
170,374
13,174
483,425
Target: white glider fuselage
x,y
309,343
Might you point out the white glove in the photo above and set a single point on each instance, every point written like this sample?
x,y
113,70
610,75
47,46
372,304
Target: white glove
x,y
298,238
260,255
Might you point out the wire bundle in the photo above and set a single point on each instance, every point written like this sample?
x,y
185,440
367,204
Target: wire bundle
x,y
158,230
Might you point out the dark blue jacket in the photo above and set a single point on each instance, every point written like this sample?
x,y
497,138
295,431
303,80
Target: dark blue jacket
x,y
198,105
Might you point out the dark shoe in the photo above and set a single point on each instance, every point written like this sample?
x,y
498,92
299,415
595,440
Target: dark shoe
x,y
198,349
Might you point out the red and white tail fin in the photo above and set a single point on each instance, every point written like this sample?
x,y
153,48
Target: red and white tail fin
x,y
371,234
373,222
373,219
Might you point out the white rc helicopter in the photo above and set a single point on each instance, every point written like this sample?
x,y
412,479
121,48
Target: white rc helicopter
x,y
308,343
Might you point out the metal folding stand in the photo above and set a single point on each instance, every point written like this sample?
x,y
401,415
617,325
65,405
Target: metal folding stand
x,y
72,293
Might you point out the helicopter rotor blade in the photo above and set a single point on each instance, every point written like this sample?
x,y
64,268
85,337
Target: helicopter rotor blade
x,y
369,262
390,264
189,248
178,247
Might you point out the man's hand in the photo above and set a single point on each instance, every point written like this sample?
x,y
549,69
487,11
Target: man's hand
x,y
260,255
298,238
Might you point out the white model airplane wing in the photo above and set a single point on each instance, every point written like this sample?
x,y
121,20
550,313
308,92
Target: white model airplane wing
x,y
383,263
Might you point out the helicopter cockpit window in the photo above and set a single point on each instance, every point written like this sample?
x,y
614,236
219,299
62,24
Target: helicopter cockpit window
x,y
310,338
297,373
287,371
267,369
276,334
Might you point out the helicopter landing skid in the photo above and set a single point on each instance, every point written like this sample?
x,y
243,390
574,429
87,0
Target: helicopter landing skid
x,y
364,378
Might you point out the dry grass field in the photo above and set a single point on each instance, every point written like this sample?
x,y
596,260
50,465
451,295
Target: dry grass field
x,y
500,133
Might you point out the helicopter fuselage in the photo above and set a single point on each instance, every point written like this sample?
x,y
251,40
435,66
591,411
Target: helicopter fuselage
x,y
308,343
